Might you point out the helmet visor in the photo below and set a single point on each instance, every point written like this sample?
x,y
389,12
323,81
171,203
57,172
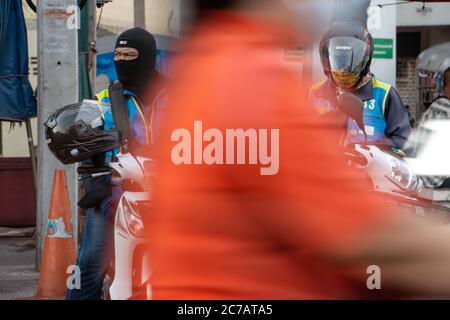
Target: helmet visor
x,y
348,58
65,118
349,55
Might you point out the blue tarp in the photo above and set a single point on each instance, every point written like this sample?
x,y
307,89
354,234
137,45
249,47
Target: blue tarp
x,y
16,95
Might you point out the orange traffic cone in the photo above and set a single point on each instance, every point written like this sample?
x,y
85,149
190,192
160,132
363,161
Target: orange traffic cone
x,y
59,244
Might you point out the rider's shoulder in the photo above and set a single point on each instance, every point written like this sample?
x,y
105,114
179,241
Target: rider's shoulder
x,y
377,83
102,95
103,100
442,100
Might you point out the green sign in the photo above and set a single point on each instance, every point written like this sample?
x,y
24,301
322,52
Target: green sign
x,y
383,48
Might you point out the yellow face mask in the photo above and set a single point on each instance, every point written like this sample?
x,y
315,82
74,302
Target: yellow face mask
x,y
346,80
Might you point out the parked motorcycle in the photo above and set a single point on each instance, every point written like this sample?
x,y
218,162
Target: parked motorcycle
x,y
130,279
127,275
389,173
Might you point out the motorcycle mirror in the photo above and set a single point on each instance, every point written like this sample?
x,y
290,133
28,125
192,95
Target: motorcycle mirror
x,y
353,107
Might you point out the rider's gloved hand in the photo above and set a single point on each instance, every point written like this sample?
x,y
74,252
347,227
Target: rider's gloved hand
x,y
97,189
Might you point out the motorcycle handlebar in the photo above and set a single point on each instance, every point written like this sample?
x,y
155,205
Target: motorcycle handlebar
x,y
92,170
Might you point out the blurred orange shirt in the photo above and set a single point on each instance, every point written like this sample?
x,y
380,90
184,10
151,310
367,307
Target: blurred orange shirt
x,y
225,231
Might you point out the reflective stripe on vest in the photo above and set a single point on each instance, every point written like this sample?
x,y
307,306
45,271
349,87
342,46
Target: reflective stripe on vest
x,y
133,108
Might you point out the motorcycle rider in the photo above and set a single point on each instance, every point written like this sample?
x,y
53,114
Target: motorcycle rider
x,y
135,62
346,53
438,110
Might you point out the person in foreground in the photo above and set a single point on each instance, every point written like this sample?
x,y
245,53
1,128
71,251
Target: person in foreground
x,y
222,227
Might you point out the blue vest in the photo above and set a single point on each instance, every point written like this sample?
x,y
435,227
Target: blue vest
x,y
143,126
374,111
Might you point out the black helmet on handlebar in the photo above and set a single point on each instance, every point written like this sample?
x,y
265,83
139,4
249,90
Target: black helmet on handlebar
x,y
346,53
75,133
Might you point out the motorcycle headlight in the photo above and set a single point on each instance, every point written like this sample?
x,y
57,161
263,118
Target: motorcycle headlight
x,y
133,220
403,176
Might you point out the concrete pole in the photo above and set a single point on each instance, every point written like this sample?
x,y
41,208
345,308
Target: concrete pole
x,y
92,41
58,87
139,13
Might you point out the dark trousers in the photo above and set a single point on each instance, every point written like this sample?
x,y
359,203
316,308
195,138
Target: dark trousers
x,y
95,252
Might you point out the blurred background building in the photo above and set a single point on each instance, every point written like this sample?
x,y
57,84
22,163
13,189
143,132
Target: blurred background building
x,y
419,27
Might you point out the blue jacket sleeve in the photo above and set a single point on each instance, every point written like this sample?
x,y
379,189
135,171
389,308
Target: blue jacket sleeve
x,y
397,119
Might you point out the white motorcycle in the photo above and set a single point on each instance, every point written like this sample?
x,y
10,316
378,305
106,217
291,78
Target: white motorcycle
x,y
394,178
389,173
128,275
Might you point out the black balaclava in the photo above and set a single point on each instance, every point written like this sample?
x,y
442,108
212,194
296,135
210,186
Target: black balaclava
x,y
136,74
